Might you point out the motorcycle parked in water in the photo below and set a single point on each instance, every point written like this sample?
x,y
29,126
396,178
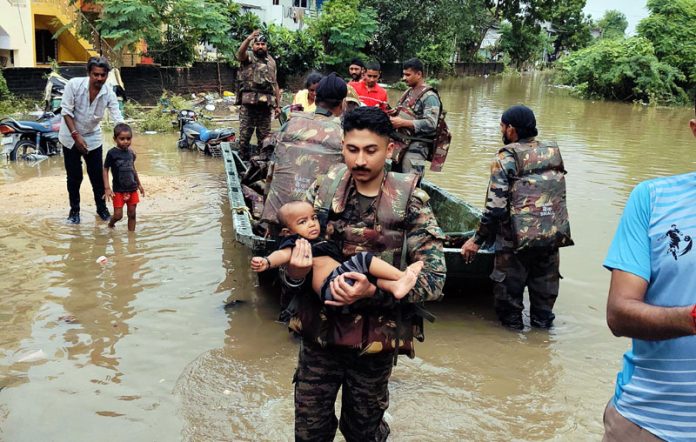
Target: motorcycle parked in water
x,y
30,140
193,135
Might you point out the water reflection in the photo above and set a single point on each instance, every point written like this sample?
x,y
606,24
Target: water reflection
x,y
152,355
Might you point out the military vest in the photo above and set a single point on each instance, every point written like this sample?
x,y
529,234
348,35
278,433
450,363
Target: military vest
x,y
386,237
438,144
256,78
366,329
308,145
537,197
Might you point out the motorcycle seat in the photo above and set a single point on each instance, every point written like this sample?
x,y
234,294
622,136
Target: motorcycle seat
x,y
34,126
216,134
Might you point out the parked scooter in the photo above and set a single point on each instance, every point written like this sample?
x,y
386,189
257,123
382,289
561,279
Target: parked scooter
x,y
30,140
193,135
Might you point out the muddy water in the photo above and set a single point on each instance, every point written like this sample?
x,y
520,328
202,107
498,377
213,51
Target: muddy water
x,y
142,349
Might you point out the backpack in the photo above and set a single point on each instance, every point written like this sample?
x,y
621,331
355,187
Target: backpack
x,y
537,201
438,145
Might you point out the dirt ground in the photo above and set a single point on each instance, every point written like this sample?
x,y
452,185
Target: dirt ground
x,y
48,195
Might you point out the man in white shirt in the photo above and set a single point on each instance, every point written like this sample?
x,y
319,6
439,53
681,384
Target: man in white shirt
x,y
84,101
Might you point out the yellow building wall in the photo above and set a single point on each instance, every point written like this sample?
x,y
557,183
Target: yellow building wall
x,y
51,15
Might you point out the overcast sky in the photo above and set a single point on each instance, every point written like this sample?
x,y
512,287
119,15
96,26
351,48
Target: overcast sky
x,y
634,10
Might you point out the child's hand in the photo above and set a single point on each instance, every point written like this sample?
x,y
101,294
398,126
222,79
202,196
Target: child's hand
x,y
108,194
142,191
259,264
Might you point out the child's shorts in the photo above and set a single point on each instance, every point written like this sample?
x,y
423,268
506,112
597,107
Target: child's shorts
x,y
125,198
359,263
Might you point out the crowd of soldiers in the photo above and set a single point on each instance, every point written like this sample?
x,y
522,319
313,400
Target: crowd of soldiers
x,y
365,204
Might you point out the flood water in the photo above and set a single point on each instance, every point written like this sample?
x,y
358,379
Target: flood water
x,y
142,348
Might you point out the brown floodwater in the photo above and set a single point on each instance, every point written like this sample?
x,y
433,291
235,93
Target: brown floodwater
x,y
141,348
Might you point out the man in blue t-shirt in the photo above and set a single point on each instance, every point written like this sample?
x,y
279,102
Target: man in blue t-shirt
x,y
651,299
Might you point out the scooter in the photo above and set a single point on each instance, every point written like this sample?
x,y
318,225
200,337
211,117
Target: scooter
x,y
30,140
193,135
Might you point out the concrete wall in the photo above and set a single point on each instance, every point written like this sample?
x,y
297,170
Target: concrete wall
x,y
16,33
144,83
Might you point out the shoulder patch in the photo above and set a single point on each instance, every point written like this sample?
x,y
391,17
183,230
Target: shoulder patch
x,y
421,195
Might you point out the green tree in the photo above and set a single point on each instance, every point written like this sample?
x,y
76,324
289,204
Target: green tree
x,y
295,52
4,90
171,28
624,70
571,26
344,28
613,24
671,28
523,43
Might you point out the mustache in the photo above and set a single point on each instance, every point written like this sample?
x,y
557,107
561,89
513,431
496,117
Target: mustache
x,y
360,169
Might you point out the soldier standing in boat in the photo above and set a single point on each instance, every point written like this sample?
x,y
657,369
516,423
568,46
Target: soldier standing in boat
x,y
352,341
258,94
424,105
527,220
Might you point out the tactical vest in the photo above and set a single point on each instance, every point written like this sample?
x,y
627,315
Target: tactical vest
x,y
386,237
537,197
368,330
256,78
307,147
438,143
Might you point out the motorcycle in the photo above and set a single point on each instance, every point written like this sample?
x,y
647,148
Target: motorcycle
x,y
193,135
30,140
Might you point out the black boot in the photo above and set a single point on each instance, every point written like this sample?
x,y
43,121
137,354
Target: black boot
x,y
74,216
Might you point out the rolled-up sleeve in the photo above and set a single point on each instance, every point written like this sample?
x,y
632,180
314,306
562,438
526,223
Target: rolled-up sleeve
x,y
67,103
431,112
114,109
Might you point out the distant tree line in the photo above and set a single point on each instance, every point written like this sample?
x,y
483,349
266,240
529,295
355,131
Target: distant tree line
x,y
658,65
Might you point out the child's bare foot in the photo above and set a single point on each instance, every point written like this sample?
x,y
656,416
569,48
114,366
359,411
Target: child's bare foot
x,y
111,225
416,267
403,285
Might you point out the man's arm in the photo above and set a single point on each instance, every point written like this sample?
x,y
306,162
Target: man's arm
x,y
425,243
629,315
242,51
431,112
114,109
68,113
108,193
496,200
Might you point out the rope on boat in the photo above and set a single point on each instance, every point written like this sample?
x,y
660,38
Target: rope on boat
x,y
241,210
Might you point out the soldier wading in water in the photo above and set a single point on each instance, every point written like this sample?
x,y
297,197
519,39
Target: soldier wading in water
x,y
348,342
527,220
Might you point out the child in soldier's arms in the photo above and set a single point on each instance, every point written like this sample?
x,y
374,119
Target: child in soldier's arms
x,y
299,221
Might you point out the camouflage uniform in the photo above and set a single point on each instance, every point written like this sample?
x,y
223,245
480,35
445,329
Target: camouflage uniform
x,y
537,267
257,78
362,370
305,147
426,110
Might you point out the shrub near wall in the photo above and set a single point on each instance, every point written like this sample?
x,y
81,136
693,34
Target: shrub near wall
x,y
624,70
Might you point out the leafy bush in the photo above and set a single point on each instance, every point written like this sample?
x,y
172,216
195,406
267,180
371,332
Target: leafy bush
x,y
295,52
671,28
624,70
4,90
343,28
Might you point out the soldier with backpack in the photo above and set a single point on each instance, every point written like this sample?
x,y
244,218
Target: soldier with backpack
x,y
527,220
419,119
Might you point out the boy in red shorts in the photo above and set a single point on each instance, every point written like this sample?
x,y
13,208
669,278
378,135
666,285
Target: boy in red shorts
x,y
126,183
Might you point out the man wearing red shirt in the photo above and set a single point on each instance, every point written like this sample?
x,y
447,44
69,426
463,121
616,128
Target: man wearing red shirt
x,y
370,93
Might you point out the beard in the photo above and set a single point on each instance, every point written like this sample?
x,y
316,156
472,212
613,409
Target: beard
x,y
261,53
506,140
356,77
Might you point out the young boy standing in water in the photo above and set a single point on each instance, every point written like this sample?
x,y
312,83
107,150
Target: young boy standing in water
x,y
126,183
